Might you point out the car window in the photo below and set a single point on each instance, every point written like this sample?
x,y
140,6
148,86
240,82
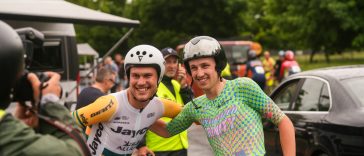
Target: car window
x,y
284,95
48,57
236,53
324,99
355,86
313,96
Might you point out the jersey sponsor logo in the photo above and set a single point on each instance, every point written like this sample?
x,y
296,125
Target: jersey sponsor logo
x,y
150,115
124,117
132,133
223,122
107,107
128,146
96,140
83,119
121,122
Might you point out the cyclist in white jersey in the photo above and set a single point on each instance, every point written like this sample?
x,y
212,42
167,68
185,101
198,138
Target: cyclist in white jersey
x,y
120,120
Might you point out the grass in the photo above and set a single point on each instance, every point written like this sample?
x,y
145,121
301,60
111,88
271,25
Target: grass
x,y
347,58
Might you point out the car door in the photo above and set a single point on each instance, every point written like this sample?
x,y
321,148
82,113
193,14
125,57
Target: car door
x,y
307,112
283,97
305,101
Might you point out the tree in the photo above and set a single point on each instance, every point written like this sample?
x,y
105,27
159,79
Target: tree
x,y
168,23
102,38
325,25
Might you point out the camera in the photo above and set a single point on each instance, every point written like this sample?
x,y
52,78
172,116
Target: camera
x,y
31,39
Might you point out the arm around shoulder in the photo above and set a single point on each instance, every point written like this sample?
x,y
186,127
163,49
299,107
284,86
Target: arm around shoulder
x,y
160,127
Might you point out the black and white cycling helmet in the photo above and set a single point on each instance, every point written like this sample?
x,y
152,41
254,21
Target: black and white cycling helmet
x,y
204,46
145,56
11,61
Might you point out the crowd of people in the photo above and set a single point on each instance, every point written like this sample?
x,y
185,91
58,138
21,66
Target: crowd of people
x,y
143,104
267,72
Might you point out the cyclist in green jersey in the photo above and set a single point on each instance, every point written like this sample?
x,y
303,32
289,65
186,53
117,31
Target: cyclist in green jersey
x,y
231,111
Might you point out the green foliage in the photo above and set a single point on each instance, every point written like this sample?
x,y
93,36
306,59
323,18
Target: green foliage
x,y
349,58
168,23
101,38
318,25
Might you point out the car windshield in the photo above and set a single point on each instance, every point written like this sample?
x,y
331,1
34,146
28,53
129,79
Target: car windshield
x,y
236,53
355,86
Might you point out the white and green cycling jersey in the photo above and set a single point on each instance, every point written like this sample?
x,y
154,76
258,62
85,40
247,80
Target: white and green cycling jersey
x,y
233,120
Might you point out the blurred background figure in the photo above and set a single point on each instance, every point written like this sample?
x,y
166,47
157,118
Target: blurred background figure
x,y
104,81
289,65
268,65
277,67
109,63
119,61
255,70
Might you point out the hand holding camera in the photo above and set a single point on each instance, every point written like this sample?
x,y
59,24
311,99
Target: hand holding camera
x,y
28,112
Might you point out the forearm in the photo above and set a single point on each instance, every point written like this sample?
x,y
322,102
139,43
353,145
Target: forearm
x,y
160,128
287,137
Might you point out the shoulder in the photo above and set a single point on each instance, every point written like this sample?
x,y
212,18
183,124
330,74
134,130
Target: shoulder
x,y
242,83
91,91
199,101
159,101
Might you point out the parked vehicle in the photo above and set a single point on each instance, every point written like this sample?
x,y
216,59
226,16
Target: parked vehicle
x,y
326,107
88,62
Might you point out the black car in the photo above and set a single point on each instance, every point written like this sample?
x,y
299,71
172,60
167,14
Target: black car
x,y
326,107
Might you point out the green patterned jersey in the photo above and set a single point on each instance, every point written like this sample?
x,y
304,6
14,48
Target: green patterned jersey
x,y
233,120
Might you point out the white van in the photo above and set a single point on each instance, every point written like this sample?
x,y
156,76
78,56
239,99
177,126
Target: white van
x,y
55,19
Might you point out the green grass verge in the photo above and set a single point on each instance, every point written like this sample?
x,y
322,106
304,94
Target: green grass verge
x,y
347,58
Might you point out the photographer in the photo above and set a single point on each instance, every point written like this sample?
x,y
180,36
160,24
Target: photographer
x,y
46,121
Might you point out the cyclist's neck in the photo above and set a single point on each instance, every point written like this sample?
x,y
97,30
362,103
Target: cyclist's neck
x,y
215,91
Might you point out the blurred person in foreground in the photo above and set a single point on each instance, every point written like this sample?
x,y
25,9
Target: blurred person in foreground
x,y
33,129
178,91
231,111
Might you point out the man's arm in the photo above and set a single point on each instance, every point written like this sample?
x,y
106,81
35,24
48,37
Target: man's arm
x,y
171,109
20,139
160,127
99,111
287,137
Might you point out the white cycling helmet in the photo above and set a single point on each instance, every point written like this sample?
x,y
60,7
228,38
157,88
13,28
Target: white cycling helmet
x,y
204,46
145,56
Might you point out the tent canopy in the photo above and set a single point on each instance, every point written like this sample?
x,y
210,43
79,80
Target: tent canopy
x,y
59,11
86,49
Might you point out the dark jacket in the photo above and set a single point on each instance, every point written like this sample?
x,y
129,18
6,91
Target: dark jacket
x,y
16,138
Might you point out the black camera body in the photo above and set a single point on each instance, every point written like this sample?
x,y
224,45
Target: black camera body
x,y
23,90
31,39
